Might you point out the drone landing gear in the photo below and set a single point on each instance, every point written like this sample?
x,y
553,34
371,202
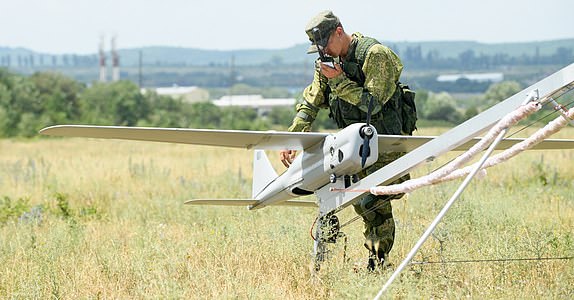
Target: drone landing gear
x,y
327,232
328,228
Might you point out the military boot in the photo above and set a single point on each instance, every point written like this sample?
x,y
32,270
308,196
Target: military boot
x,y
376,261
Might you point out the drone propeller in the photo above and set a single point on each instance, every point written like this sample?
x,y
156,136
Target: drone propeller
x,y
367,134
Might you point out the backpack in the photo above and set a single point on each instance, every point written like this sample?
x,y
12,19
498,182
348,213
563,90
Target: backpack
x,y
408,109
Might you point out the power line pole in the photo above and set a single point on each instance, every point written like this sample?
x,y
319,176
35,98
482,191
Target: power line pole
x,y
115,61
140,74
102,60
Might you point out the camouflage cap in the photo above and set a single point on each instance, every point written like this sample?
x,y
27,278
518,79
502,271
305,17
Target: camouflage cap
x,y
321,26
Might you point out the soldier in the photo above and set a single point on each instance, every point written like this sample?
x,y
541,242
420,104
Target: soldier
x,y
363,69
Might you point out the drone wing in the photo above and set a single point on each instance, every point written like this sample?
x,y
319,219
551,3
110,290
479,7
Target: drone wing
x,y
401,143
248,202
264,140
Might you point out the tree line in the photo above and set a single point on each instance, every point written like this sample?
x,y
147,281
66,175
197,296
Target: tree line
x,y
470,60
41,60
29,103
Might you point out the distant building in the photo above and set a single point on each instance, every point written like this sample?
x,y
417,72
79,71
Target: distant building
x,y
175,90
476,77
263,105
195,94
186,93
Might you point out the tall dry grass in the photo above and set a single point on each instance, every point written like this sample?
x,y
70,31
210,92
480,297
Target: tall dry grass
x,y
87,218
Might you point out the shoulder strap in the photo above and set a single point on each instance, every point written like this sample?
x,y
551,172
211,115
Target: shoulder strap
x,y
354,68
363,46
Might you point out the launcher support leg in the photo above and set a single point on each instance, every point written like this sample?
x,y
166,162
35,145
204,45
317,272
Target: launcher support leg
x,y
319,247
328,225
327,232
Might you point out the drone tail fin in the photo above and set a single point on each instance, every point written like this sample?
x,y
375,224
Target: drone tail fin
x,y
263,172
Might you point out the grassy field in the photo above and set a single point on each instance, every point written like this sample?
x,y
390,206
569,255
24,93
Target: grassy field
x,y
83,218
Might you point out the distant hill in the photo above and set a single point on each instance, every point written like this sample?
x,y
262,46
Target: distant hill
x,y
189,56
164,55
297,54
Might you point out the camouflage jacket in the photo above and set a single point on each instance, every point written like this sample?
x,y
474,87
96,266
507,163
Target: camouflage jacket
x,y
382,69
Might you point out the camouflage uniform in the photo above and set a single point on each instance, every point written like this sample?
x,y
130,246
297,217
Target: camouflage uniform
x,y
347,96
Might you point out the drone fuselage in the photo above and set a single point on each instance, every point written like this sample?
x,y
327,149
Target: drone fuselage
x,y
339,154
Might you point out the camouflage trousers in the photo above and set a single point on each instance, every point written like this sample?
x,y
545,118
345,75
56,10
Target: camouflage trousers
x,y
377,212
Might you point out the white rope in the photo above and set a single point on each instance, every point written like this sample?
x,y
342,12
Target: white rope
x,y
548,130
438,175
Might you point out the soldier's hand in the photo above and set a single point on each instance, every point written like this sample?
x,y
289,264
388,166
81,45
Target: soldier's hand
x,y
287,157
330,72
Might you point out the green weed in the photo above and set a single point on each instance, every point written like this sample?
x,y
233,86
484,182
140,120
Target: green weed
x,y
10,209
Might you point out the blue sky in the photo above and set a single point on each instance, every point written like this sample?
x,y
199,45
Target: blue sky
x,y
75,26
